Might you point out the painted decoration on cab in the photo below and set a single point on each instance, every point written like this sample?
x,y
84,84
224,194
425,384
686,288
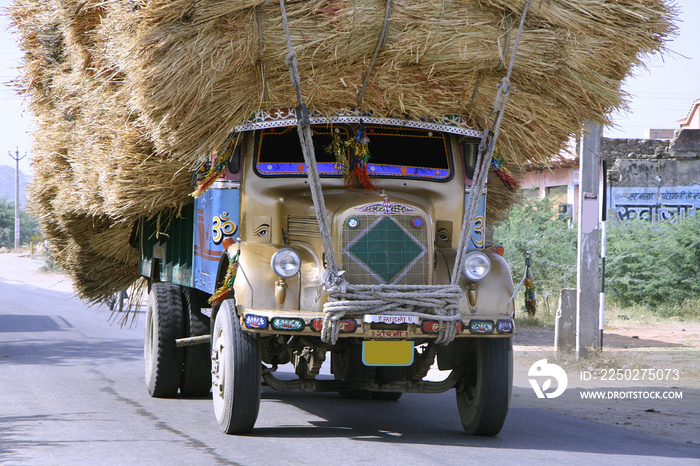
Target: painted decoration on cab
x,y
222,227
385,207
478,235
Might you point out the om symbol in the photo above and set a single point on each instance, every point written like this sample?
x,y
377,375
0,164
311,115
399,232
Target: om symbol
x,y
222,227
478,235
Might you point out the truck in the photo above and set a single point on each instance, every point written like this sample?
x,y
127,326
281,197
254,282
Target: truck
x,y
239,288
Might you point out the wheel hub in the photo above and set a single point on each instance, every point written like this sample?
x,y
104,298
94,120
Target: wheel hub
x,y
217,368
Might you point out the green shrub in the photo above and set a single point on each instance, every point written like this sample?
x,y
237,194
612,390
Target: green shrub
x,y
534,226
28,225
654,263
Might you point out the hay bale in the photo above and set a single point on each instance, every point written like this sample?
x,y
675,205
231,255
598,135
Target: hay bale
x,y
568,69
129,96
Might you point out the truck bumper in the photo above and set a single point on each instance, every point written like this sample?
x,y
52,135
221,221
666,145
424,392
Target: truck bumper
x,y
294,322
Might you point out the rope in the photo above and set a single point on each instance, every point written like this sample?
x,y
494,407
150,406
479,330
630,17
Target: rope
x,y
436,302
333,276
380,45
483,161
261,45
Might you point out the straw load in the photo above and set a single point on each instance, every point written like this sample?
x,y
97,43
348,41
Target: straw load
x,y
130,95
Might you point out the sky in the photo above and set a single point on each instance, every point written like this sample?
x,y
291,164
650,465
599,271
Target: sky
x,y
661,94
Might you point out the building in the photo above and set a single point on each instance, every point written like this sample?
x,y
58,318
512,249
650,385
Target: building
x,y
654,178
692,120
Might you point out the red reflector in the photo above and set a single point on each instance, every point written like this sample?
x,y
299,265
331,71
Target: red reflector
x,y
500,250
317,325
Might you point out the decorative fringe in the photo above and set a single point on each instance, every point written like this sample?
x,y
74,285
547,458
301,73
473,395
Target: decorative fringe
x,y
339,149
227,286
217,169
359,177
503,174
530,303
360,144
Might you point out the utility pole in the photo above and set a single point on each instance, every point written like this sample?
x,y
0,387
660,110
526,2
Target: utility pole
x,y
17,158
587,267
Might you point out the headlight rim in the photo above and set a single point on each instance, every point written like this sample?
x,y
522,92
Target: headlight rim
x,y
274,264
466,268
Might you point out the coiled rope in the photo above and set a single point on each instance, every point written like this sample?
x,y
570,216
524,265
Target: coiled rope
x,y
436,302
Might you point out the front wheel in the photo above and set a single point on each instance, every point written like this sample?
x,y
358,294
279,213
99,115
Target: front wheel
x,y
485,377
236,372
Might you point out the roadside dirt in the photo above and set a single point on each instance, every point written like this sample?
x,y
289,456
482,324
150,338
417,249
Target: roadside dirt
x,y
638,366
629,349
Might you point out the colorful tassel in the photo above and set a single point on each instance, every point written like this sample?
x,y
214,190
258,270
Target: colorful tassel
x,y
503,174
530,302
227,286
217,169
339,149
358,176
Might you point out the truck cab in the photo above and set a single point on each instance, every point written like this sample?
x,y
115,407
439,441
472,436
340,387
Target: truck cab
x,y
239,281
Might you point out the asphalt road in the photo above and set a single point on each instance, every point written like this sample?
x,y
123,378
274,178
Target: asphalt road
x,y
72,392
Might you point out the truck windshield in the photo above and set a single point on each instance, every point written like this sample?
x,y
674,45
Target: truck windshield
x,y
394,152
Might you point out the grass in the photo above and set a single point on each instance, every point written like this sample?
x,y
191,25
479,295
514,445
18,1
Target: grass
x,y
688,311
617,315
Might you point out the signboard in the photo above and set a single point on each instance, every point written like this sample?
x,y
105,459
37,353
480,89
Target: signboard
x,y
655,203
589,213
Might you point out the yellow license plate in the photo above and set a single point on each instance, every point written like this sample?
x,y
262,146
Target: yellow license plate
x,y
387,353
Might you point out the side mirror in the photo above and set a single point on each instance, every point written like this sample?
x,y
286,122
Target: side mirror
x,y
469,152
233,165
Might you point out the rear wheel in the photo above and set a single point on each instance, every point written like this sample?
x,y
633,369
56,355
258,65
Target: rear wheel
x,y
164,324
196,371
236,372
485,375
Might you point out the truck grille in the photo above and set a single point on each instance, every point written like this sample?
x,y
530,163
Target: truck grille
x,y
301,227
385,249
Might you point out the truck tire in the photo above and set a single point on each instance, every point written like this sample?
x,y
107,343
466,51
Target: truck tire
x,y
236,372
164,324
196,371
485,383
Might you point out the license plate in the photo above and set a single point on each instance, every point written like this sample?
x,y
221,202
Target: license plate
x,y
395,334
389,319
387,353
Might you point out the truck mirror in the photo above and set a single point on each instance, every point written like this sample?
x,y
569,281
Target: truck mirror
x,y
469,150
233,165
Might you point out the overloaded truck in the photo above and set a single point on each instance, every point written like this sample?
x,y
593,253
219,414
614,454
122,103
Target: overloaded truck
x,y
352,233
257,274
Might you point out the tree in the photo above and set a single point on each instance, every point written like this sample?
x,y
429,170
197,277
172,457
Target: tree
x,y
28,225
534,226
654,262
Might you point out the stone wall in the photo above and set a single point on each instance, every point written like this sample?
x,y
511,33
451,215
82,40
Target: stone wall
x,y
685,144
633,148
655,179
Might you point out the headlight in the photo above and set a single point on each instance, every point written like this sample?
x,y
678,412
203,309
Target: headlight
x,y
286,263
476,265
